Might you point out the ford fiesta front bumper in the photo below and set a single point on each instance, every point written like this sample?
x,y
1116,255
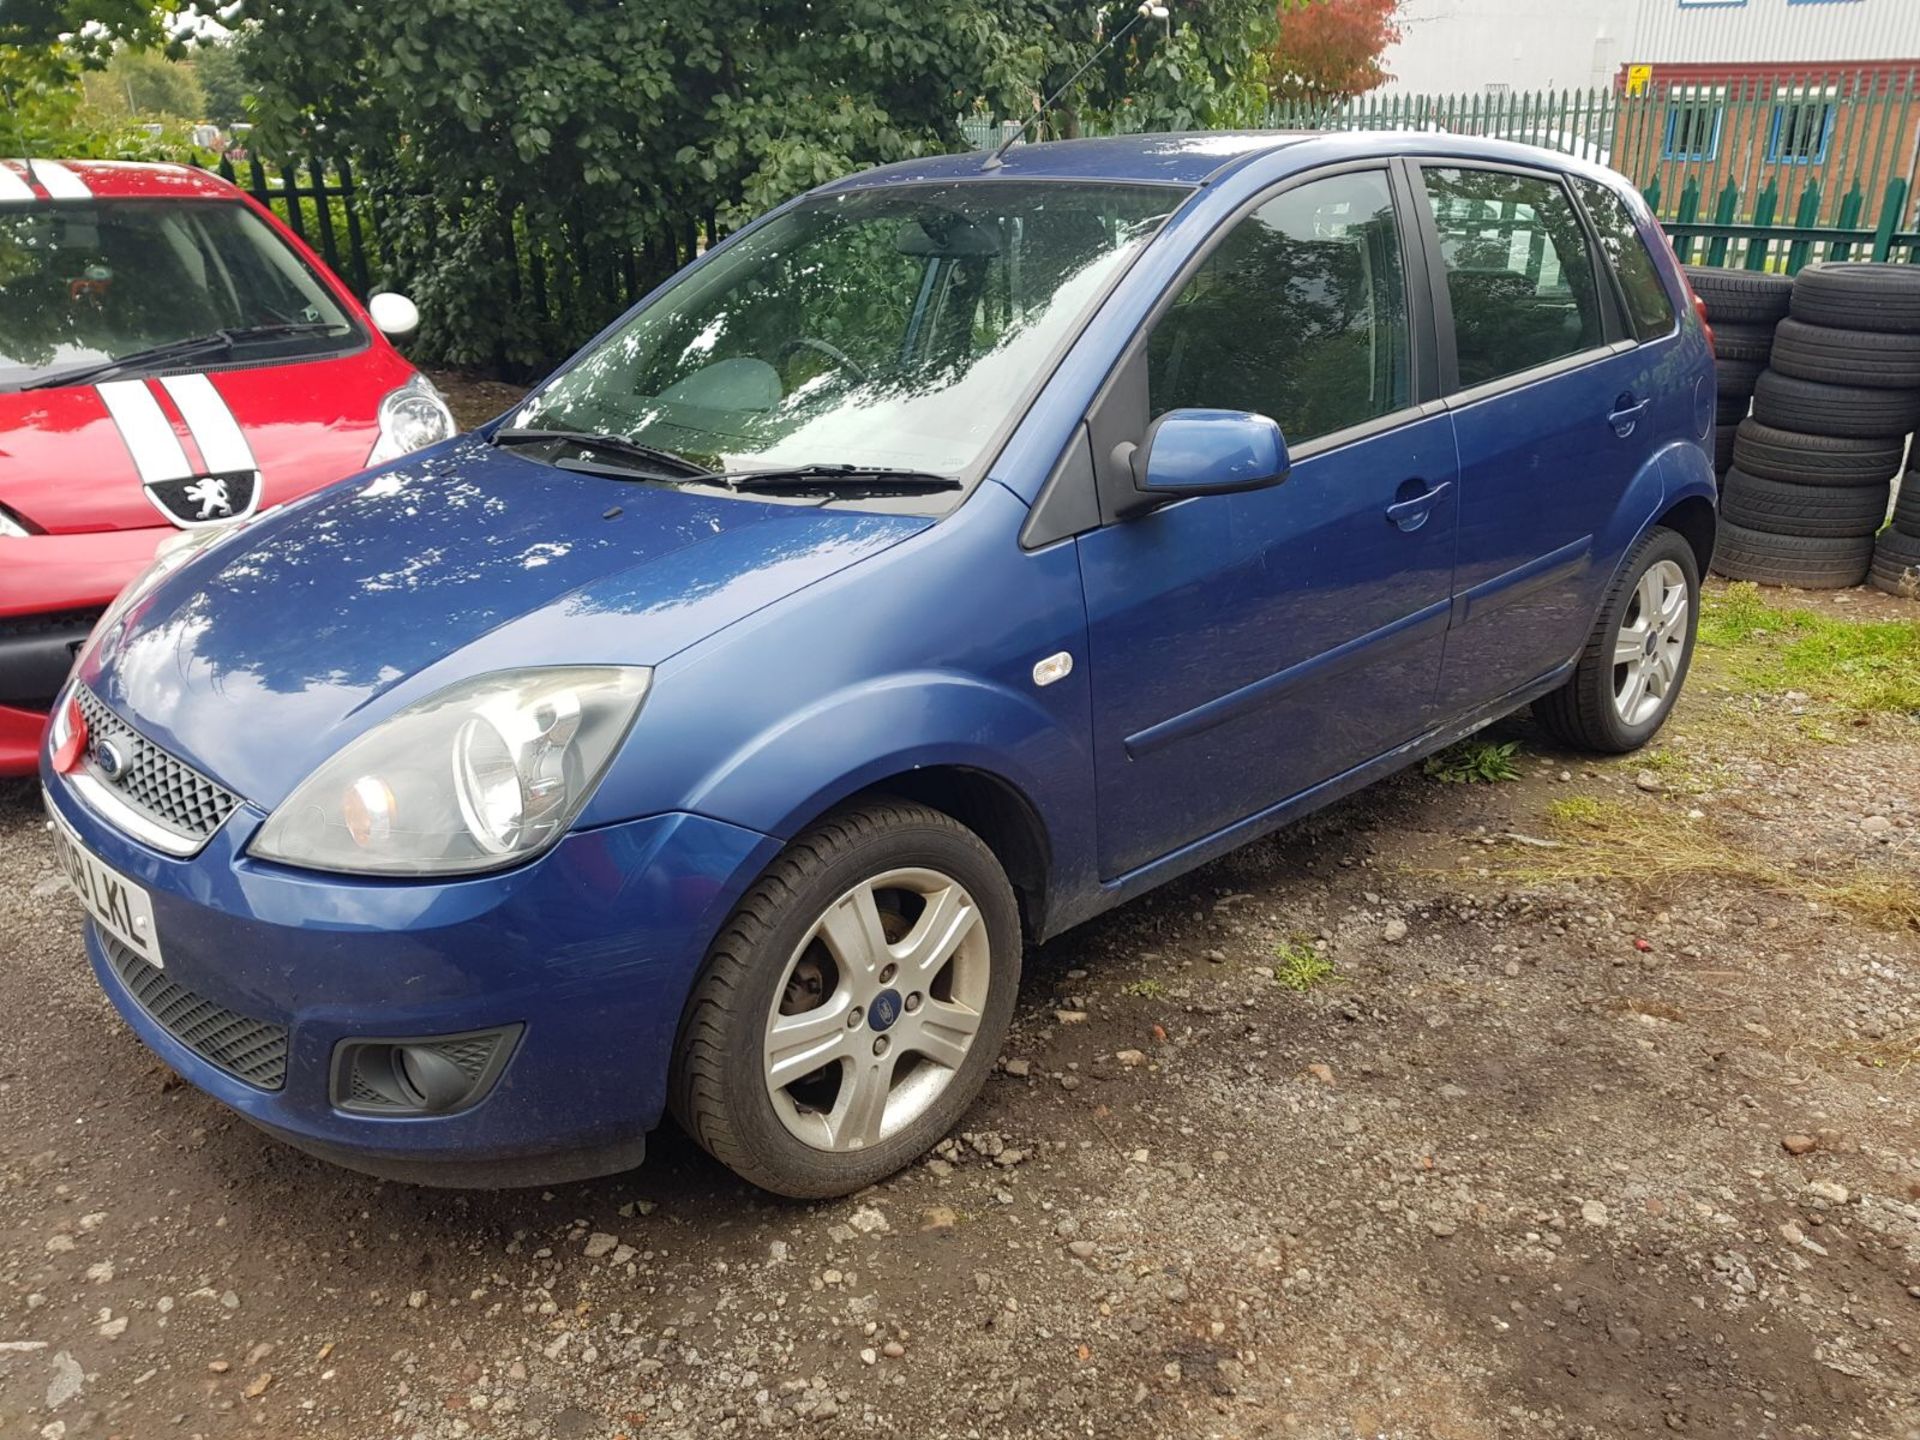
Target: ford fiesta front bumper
x,y
569,973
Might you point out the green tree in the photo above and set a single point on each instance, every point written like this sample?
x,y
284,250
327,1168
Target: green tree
x,y
145,84
581,129
221,68
44,47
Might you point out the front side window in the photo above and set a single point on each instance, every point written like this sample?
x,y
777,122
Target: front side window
x,y
1648,304
85,283
1519,277
895,327
1299,314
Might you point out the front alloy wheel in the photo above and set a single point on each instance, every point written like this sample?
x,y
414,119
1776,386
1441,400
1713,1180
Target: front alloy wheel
x,y
849,1011
878,1010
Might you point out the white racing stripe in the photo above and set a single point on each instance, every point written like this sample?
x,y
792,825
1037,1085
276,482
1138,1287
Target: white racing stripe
x,y
223,447
14,190
58,181
145,430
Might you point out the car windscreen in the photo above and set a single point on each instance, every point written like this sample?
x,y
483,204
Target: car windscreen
x,y
86,283
896,326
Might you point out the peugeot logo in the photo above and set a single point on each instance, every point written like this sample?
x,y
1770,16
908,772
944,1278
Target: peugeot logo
x,y
108,760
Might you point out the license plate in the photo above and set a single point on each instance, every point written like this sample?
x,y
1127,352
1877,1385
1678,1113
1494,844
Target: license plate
x,y
117,905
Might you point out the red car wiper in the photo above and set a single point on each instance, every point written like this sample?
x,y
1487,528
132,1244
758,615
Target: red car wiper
x,y
177,350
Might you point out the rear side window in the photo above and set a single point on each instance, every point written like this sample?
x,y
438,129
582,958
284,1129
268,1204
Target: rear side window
x,y
1300,314
1626,250
1519,275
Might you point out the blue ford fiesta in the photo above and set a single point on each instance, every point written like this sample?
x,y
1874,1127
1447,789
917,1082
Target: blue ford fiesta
x,y
953,554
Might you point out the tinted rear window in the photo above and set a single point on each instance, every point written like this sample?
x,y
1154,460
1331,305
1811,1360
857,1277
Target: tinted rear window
x,y
1626,250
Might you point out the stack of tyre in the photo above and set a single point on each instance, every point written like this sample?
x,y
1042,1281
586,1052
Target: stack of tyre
x,y
1743,306
1813,466
1896,554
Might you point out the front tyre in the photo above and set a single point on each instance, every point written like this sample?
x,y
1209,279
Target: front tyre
x,y
848,1013
1630,673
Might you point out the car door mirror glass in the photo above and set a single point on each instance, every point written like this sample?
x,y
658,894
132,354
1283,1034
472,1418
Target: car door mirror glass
x,y
1209,452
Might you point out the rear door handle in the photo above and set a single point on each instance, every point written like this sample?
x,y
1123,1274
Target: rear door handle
x,y
1412,514
1626,414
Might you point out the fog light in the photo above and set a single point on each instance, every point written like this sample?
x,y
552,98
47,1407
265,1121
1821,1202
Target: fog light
x,y
420,1075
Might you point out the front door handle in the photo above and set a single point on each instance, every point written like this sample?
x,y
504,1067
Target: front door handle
x,y
1626,414
1411,514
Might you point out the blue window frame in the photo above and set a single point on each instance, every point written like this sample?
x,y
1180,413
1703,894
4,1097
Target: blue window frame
x,y
1801,131
1694,121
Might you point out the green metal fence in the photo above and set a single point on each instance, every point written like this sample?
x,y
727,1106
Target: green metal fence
x,y
1765,173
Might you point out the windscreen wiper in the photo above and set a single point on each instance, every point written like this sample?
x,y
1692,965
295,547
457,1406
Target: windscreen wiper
x,y
610,444
179,350
803,477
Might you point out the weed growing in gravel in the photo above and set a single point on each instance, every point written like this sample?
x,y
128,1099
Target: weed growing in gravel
x,y
1144,989
1609,840
1301,967
1859,665
1484,762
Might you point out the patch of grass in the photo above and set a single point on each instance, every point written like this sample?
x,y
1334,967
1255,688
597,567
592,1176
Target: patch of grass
x,y
1144,989
1298,966
1475,762
1863,666
1608,840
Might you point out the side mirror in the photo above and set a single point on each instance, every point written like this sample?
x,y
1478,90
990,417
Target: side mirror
x,y
394,316
1209,452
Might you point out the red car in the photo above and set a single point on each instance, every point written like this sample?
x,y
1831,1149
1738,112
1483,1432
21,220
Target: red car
x,y
171,357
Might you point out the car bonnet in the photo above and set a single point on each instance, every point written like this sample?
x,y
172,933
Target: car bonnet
x,y
262,657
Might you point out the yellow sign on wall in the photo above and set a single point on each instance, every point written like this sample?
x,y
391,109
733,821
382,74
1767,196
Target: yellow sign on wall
x,y
1639,78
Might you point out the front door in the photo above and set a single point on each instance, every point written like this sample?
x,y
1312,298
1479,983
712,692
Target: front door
x,y
1246,648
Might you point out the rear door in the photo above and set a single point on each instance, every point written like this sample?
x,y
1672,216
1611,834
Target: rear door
x,y
1557,407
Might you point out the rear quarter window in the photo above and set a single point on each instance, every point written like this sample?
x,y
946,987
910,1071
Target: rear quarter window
x,y
1648,305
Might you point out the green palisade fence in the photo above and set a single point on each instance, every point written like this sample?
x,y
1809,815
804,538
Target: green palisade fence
x,y
1761,173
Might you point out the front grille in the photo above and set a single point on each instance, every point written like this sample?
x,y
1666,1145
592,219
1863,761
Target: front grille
x,y
249,1050
165,790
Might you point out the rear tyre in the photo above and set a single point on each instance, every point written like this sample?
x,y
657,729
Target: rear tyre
x,y
1627,678
1776,454
1782,508
1896,565
1736,377
849,1011
1906,505
1848,410
1742,342
1741,297
1723,438
1867,358
1810,564
1859,297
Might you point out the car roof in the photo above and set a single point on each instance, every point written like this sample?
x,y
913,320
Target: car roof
x,y
30,181
1199,157
1182,159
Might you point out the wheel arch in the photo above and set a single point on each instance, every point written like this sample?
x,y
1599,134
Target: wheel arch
x,y
1695,520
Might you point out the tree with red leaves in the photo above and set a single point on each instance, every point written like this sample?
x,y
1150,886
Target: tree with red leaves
x,y
1331,49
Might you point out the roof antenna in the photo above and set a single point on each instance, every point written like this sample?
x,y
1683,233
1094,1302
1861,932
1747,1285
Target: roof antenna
x,y
1146,10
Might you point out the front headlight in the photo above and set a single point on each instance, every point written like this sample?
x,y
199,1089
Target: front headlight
x,y
483,774
411,418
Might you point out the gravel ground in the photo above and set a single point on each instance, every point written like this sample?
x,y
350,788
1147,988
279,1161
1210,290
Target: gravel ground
x,y
1621,1153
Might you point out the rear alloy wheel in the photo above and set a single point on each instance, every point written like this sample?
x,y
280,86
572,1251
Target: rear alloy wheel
x,y
850,1010
1629,675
